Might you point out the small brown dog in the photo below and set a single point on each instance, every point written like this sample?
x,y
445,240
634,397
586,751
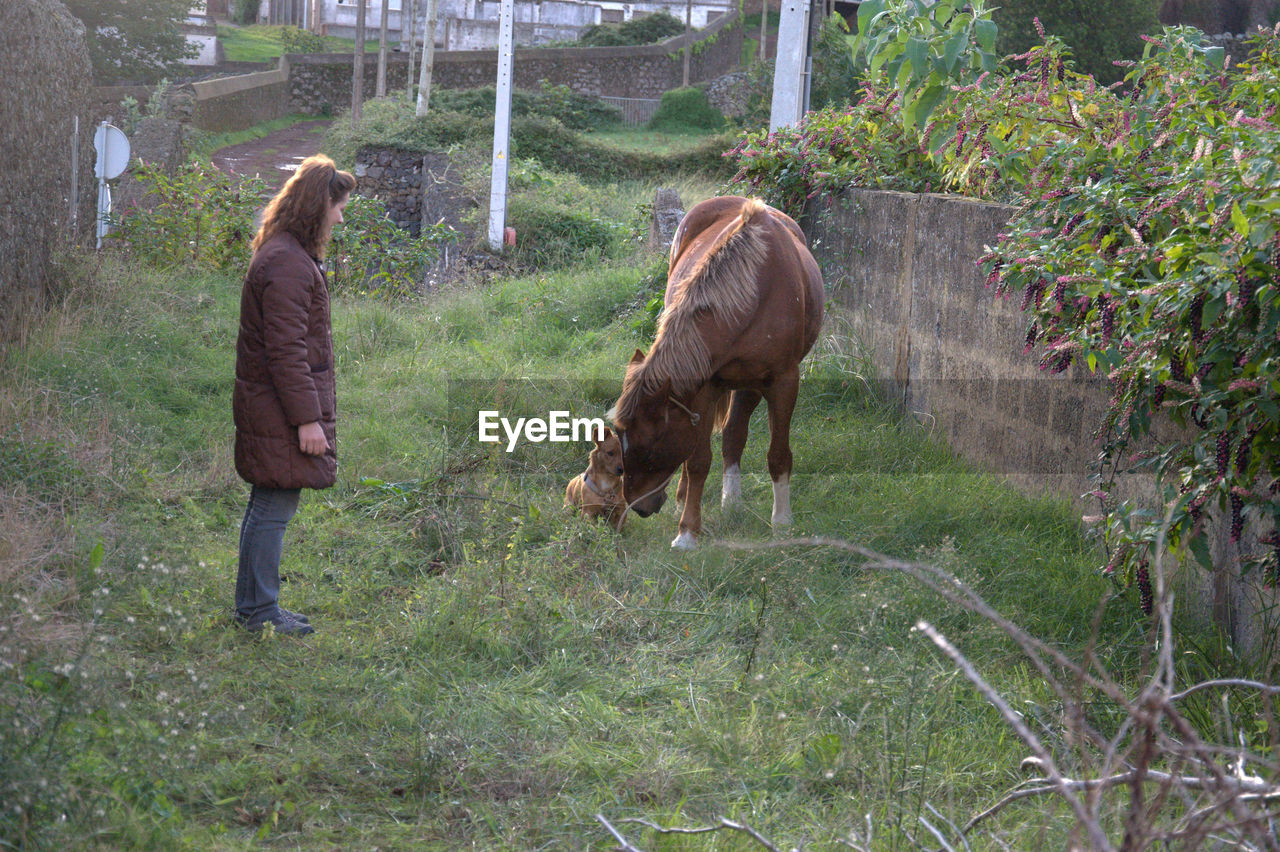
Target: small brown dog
x,y
598,492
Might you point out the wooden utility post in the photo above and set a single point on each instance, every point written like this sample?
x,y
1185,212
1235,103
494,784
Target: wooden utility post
x,y
357,73
428,59
688,40
764,25
381,91
413,47
502,125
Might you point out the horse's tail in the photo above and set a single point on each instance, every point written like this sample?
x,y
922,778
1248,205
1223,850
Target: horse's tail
x,y
723,405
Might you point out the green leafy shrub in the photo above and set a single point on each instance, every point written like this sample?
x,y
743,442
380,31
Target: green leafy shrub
x,y
1145,244
372,254
835,74
246,11
683,109
196,216
573,110
296,40
1099,32
648,29
391,122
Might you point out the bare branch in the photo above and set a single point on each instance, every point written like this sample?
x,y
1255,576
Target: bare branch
x,y
1096,836
623,844
1249,789
722,825
1226,683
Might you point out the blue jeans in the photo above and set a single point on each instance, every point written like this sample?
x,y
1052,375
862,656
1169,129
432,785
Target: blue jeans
x,y
261,543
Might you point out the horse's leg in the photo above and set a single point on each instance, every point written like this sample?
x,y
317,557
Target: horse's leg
x,y
683,488
732,443
692,479
781,397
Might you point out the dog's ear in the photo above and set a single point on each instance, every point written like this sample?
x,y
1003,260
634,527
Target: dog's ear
x,y
605,435
637,358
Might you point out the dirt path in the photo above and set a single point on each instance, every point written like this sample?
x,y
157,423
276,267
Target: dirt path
x,y
275,156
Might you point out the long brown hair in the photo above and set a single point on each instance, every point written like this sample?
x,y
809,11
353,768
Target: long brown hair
x,y
300,206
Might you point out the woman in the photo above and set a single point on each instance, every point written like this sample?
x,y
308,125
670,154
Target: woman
x,y
284,401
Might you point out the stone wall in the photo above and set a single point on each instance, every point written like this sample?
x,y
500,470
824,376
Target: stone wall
x,y
420,189
46,79
903,268
393,177
322,82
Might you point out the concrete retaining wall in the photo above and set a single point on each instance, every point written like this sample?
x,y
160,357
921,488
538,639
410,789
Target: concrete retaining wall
x,y
903,268
237,103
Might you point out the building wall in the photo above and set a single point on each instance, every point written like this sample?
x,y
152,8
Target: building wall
x,y
463,34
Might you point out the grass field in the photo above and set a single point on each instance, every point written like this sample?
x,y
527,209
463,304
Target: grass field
x,y
261,43
488,671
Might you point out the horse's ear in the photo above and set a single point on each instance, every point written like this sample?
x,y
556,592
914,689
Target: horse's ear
x,y
637,358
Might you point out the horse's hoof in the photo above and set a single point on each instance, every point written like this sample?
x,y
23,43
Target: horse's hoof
x,y
684,541
782,522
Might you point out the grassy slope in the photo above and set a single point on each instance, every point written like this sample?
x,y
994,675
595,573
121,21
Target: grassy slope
x,y
261,43
487,670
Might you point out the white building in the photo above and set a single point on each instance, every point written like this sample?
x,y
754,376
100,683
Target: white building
x,y
459,22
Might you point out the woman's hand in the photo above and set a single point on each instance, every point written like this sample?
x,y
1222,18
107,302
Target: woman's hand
x,y
311,439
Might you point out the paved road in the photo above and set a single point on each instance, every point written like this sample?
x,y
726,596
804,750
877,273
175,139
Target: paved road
x,y
275,156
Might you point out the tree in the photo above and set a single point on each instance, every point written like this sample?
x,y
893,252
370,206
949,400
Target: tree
x,y
1097,31
131,40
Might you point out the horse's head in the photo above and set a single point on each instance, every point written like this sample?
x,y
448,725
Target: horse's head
x,y
657,435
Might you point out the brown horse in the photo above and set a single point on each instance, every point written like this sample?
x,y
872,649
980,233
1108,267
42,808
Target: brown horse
x,y
743,306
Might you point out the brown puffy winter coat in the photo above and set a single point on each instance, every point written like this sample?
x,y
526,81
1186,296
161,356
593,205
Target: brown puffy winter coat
x,y
284,369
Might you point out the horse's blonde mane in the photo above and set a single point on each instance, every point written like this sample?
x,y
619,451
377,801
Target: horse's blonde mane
x,y
719,282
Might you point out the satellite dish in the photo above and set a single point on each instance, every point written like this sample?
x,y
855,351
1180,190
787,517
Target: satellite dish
x,y
113,152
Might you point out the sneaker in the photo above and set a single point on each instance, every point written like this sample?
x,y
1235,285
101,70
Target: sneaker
x,y
296,616
284,625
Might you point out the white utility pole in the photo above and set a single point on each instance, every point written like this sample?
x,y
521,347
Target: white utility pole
x,y
382,50
428,59
789,65
502,125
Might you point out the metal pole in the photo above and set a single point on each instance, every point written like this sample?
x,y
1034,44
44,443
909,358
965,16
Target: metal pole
x,y
75,175
104,194
502,125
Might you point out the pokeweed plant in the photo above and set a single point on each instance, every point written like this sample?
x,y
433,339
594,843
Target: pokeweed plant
x,y
922,49
372,254
1144,245
1151,255
196,215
